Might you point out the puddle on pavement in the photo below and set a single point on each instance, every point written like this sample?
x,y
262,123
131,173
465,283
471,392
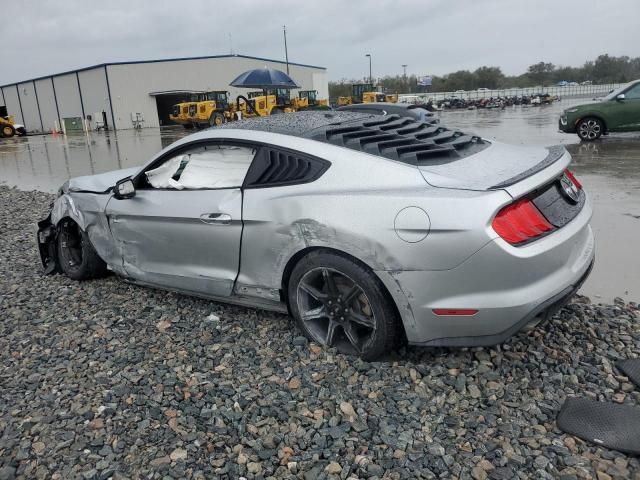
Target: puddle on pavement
x,y
609,169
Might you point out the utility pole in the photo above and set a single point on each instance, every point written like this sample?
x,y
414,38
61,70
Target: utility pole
x,y
404,67
370,76
286,52
230,43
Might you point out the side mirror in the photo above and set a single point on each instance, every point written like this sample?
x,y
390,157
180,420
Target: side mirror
x,y
620,97
124,189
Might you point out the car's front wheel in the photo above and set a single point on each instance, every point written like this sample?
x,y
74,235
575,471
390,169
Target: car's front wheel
x,y
77,257
590,128
339,302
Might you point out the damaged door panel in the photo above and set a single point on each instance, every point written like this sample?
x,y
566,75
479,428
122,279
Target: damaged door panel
x,y
163,240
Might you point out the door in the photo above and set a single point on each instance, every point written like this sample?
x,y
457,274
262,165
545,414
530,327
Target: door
x,y
628,110
182,228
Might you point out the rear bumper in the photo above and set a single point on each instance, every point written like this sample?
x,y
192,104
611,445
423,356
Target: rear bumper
x,y
540,314
511,287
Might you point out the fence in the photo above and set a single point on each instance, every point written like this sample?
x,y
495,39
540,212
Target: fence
x,y
566,91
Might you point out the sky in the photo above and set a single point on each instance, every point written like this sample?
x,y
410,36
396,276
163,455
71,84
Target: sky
x,y
430,36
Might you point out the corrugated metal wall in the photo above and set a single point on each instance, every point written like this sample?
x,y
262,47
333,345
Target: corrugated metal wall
x,y
30,109
68,96
39,104
95,95
46,99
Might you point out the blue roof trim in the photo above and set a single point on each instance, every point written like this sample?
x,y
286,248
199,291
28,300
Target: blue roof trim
x,y
180,59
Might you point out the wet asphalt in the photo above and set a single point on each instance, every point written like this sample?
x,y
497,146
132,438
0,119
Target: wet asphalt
x,y
609,170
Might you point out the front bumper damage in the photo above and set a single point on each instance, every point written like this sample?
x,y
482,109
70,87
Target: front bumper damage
x,y
46,238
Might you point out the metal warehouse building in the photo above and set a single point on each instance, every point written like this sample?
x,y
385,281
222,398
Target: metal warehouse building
x,y
122,94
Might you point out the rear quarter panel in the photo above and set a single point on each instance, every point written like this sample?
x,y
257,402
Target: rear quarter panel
x,y
352,208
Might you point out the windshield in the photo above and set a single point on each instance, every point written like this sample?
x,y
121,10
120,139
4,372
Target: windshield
x,y
617,91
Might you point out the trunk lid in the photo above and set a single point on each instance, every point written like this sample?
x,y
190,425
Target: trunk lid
x,y
516,169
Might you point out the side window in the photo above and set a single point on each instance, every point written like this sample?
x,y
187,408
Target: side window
x,y
278,167
633,92
204,166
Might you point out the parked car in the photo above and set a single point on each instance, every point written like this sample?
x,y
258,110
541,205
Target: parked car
x,y
366,228
416,111
482,89
562,83
617,112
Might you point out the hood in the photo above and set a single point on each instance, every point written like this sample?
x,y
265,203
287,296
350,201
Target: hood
x,y
574,108
498,167
100,183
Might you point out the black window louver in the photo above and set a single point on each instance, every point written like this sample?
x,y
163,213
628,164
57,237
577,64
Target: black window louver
x,y
273,167
404,139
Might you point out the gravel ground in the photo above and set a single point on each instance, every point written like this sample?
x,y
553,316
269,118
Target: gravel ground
x,y
104,379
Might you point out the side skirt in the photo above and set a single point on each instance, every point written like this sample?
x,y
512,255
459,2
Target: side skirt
x,y
243,301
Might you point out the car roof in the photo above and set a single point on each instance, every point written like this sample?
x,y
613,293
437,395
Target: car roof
x,y
395,137
298,124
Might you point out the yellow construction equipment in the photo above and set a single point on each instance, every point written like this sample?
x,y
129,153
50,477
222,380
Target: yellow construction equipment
x,y
311,98
202,110
267,102
181,112
214,108
8,126
366,93
211,111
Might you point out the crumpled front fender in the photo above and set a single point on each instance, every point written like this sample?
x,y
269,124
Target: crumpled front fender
x,y
46,238
87,210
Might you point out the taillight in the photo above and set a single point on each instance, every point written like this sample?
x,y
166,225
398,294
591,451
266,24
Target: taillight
x,y
520,222
573,178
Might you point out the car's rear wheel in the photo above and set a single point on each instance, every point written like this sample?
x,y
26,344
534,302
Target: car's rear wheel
x,y
77,257
590,129
338,302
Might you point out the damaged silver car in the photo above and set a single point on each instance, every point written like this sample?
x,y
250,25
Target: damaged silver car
x,y
367,229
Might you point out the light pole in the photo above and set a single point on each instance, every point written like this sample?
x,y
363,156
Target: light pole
x,y
404,68
370,76
286,52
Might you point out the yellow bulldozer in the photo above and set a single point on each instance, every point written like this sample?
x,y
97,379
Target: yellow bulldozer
x,y
366,93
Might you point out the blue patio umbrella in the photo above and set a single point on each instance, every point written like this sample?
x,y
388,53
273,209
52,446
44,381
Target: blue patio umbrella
x,y
264,78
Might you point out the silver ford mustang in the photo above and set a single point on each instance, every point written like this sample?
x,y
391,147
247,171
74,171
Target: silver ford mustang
x,y
367,229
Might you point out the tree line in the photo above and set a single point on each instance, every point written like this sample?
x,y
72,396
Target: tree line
x,y
604,69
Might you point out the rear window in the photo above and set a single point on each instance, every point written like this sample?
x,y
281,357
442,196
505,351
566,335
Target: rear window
x,y
404,139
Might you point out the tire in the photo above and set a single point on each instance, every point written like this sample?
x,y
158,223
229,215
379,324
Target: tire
x,y
338,302
216,119
21,132
77,258
188,126
590,129
276,111
7,131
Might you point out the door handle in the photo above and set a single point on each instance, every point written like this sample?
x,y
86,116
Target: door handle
x,y
216,218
